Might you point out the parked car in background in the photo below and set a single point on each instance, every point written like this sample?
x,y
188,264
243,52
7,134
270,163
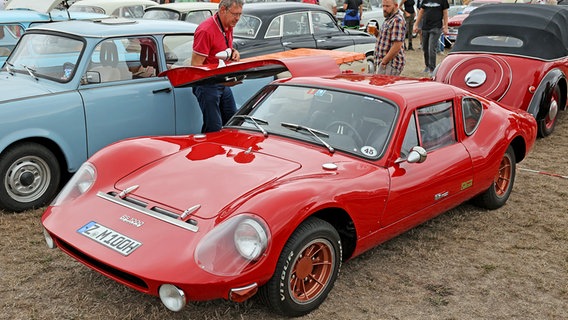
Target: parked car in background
x,y
320,169
194,12
521,61
456,21
117,8
70,88
273,27
21,14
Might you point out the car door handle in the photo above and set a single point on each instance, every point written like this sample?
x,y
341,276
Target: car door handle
x,y
286,43
168,90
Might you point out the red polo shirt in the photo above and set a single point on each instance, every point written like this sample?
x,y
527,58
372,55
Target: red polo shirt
x,y
209,39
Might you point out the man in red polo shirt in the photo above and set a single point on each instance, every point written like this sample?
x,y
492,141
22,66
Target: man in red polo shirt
x,y
211,37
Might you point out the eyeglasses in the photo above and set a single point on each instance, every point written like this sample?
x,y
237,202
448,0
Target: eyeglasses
x,y
235,14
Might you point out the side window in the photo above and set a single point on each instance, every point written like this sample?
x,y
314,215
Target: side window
x,y
472,110
178,50
296,24
9,35
198,16
125,59
274,28
436,125
135,11
323,23
410,138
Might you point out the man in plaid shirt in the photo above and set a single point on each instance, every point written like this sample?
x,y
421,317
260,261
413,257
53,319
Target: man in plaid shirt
x,y
389,52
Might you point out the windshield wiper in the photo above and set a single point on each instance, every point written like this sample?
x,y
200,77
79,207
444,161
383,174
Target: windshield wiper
x,y
9,67
255,121
315,133
31,71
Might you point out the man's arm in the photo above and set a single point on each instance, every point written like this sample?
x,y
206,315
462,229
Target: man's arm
x,y
419,17
445,22
197,60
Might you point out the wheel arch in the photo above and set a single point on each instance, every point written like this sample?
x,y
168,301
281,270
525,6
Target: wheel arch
x,y
519,147
49,144
344,225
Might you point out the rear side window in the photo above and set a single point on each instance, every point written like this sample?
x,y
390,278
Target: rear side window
x,y
436,125
472,110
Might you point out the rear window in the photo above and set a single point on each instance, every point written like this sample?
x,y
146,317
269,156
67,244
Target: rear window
x,y
497,41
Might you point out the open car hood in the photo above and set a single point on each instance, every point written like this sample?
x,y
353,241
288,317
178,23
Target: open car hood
x,y
43,6
317,65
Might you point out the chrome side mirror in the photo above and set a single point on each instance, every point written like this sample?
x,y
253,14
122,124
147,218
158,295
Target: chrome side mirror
x,y
417,155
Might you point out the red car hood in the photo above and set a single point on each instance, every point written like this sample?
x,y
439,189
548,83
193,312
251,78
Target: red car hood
x,y
208,174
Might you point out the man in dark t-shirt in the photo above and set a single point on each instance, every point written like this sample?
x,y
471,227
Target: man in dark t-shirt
x,y
407,7
433,14
353,13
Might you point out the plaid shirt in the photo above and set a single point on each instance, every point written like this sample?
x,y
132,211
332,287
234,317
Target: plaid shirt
x,y
392,30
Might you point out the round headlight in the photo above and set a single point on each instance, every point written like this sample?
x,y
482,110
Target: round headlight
x,y
80,183
172,297
250,239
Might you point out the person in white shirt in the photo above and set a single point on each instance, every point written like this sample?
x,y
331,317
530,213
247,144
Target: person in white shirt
x,y
329,5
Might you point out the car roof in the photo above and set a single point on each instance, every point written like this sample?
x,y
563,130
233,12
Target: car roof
x,y
403,91
542,29
185,6
111,5
25,15
274,8
117,27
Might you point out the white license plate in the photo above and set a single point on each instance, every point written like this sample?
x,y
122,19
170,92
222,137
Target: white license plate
x,y
109,238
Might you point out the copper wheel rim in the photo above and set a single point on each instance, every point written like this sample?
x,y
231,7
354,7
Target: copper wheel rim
x,y
312,271
503,177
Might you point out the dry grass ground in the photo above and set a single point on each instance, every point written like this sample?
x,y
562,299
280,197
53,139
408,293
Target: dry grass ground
x,y
468,263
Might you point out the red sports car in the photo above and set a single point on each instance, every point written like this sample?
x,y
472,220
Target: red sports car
x,y
516,54
310,172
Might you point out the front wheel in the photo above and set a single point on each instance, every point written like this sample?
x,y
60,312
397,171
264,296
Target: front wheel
x,y
30,177
306,271
498,193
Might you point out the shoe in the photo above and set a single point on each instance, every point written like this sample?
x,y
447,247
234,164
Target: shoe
x,y
410,49
426,70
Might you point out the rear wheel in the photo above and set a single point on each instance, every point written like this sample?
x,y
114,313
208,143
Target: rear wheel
x,y
307,269
547,123
498,193
30,177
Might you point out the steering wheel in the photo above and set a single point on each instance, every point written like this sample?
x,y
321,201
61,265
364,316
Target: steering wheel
x,y
355,134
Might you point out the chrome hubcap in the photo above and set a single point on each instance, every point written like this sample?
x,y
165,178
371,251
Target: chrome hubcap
x,y
27,179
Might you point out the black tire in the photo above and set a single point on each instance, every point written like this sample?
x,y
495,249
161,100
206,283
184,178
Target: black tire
x,y
551,103
30,176
310,260
498,193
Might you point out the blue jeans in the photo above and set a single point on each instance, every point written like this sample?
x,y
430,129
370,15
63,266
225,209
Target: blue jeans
x,y
217,105
430,42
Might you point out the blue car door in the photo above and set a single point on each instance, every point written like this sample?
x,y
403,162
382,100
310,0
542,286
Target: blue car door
x,y
123,97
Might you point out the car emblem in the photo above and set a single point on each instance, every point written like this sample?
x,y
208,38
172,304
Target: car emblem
x,y
475,78
133,221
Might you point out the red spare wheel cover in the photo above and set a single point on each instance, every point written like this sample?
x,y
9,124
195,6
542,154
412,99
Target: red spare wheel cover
x,y
485,75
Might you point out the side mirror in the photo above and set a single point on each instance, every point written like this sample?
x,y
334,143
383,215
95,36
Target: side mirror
x,y
91,77
417,155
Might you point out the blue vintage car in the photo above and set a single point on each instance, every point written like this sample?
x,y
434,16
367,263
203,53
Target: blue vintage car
x,y
70,88
18,15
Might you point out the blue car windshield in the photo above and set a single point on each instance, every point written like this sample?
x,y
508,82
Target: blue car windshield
x,y
45,56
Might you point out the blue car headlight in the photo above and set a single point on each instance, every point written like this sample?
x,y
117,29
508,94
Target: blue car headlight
x,y
80,183
233,245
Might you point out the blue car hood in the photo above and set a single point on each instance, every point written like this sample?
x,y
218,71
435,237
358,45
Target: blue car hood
x,y
21,86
